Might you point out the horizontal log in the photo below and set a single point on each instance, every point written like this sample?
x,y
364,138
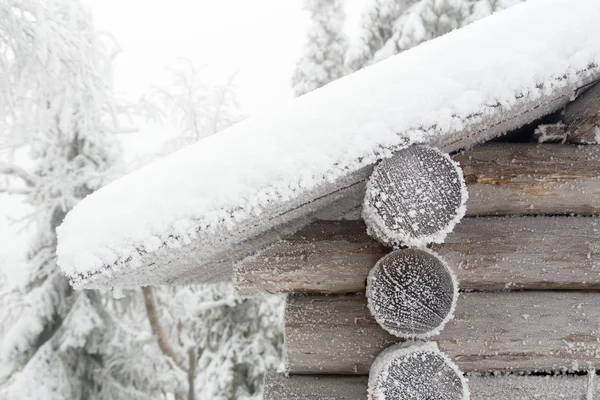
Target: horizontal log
x,y
311,387
506,387
497,331
489,253
528,178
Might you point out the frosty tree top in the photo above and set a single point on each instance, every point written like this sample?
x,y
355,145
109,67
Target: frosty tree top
x,y
189,216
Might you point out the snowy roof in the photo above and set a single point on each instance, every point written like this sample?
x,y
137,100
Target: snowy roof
x,y
190,216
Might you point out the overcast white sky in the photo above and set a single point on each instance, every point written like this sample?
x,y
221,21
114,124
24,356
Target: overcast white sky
x,y
259,39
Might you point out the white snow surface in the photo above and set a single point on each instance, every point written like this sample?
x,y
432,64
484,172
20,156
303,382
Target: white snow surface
x,y
236,177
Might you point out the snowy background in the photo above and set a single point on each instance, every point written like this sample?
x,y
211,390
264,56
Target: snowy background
x,y
186,70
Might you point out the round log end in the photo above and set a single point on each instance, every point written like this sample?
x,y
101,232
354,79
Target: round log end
x,y
416,371
412,293
414,198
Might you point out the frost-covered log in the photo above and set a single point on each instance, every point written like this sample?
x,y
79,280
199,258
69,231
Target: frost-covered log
x,y
533,179
583,117
415,197
492,331
412,293
416,371
491,253
499,387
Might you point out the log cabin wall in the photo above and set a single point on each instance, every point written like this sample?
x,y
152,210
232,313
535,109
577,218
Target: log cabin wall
x,y
528,261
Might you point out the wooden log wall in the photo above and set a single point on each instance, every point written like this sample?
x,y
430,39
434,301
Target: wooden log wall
x,y
532,179
489,253
491,331
532,225
335,387
517,179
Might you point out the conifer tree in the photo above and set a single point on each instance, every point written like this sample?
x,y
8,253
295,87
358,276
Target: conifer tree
x,y
390,27
326,44
57,102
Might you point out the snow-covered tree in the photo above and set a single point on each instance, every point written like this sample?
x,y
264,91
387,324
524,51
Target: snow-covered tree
x,y
222,343
57,101
377,27
390,27
195,108
326,44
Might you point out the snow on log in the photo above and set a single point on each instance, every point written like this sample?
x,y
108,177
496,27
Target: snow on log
x,y
487,253
189,216
414,198
490,331
416,371
551,133
583,117
497,387
412,293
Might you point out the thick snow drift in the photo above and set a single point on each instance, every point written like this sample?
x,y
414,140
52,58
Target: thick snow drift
x,y
189,216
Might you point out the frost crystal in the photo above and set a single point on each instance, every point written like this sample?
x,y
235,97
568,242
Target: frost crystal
x,y
416,372
412,293
414,198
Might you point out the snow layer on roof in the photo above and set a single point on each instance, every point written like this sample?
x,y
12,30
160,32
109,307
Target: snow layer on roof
x,y
230,179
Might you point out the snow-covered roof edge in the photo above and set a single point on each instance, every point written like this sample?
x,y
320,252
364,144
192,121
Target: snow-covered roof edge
x,y
106,241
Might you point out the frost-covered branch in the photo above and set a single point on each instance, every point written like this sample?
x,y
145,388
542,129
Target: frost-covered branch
x,y
195,107
14,190
16,171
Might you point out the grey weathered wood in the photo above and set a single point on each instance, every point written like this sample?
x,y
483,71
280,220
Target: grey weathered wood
x,y
496,331
505,387
528,178
414,198
582,117
311,387
488,253
411,293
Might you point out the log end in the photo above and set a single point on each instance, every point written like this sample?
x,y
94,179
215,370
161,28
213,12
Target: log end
x,y
414,198
416,371
412,293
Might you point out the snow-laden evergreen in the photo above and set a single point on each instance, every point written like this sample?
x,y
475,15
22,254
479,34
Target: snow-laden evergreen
x,y
222,344
56,100
58,343
326,44
390,27
235,341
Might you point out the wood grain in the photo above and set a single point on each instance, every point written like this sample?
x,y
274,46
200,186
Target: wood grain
x,y
582,117
497,331
532,179
490,253
507,387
